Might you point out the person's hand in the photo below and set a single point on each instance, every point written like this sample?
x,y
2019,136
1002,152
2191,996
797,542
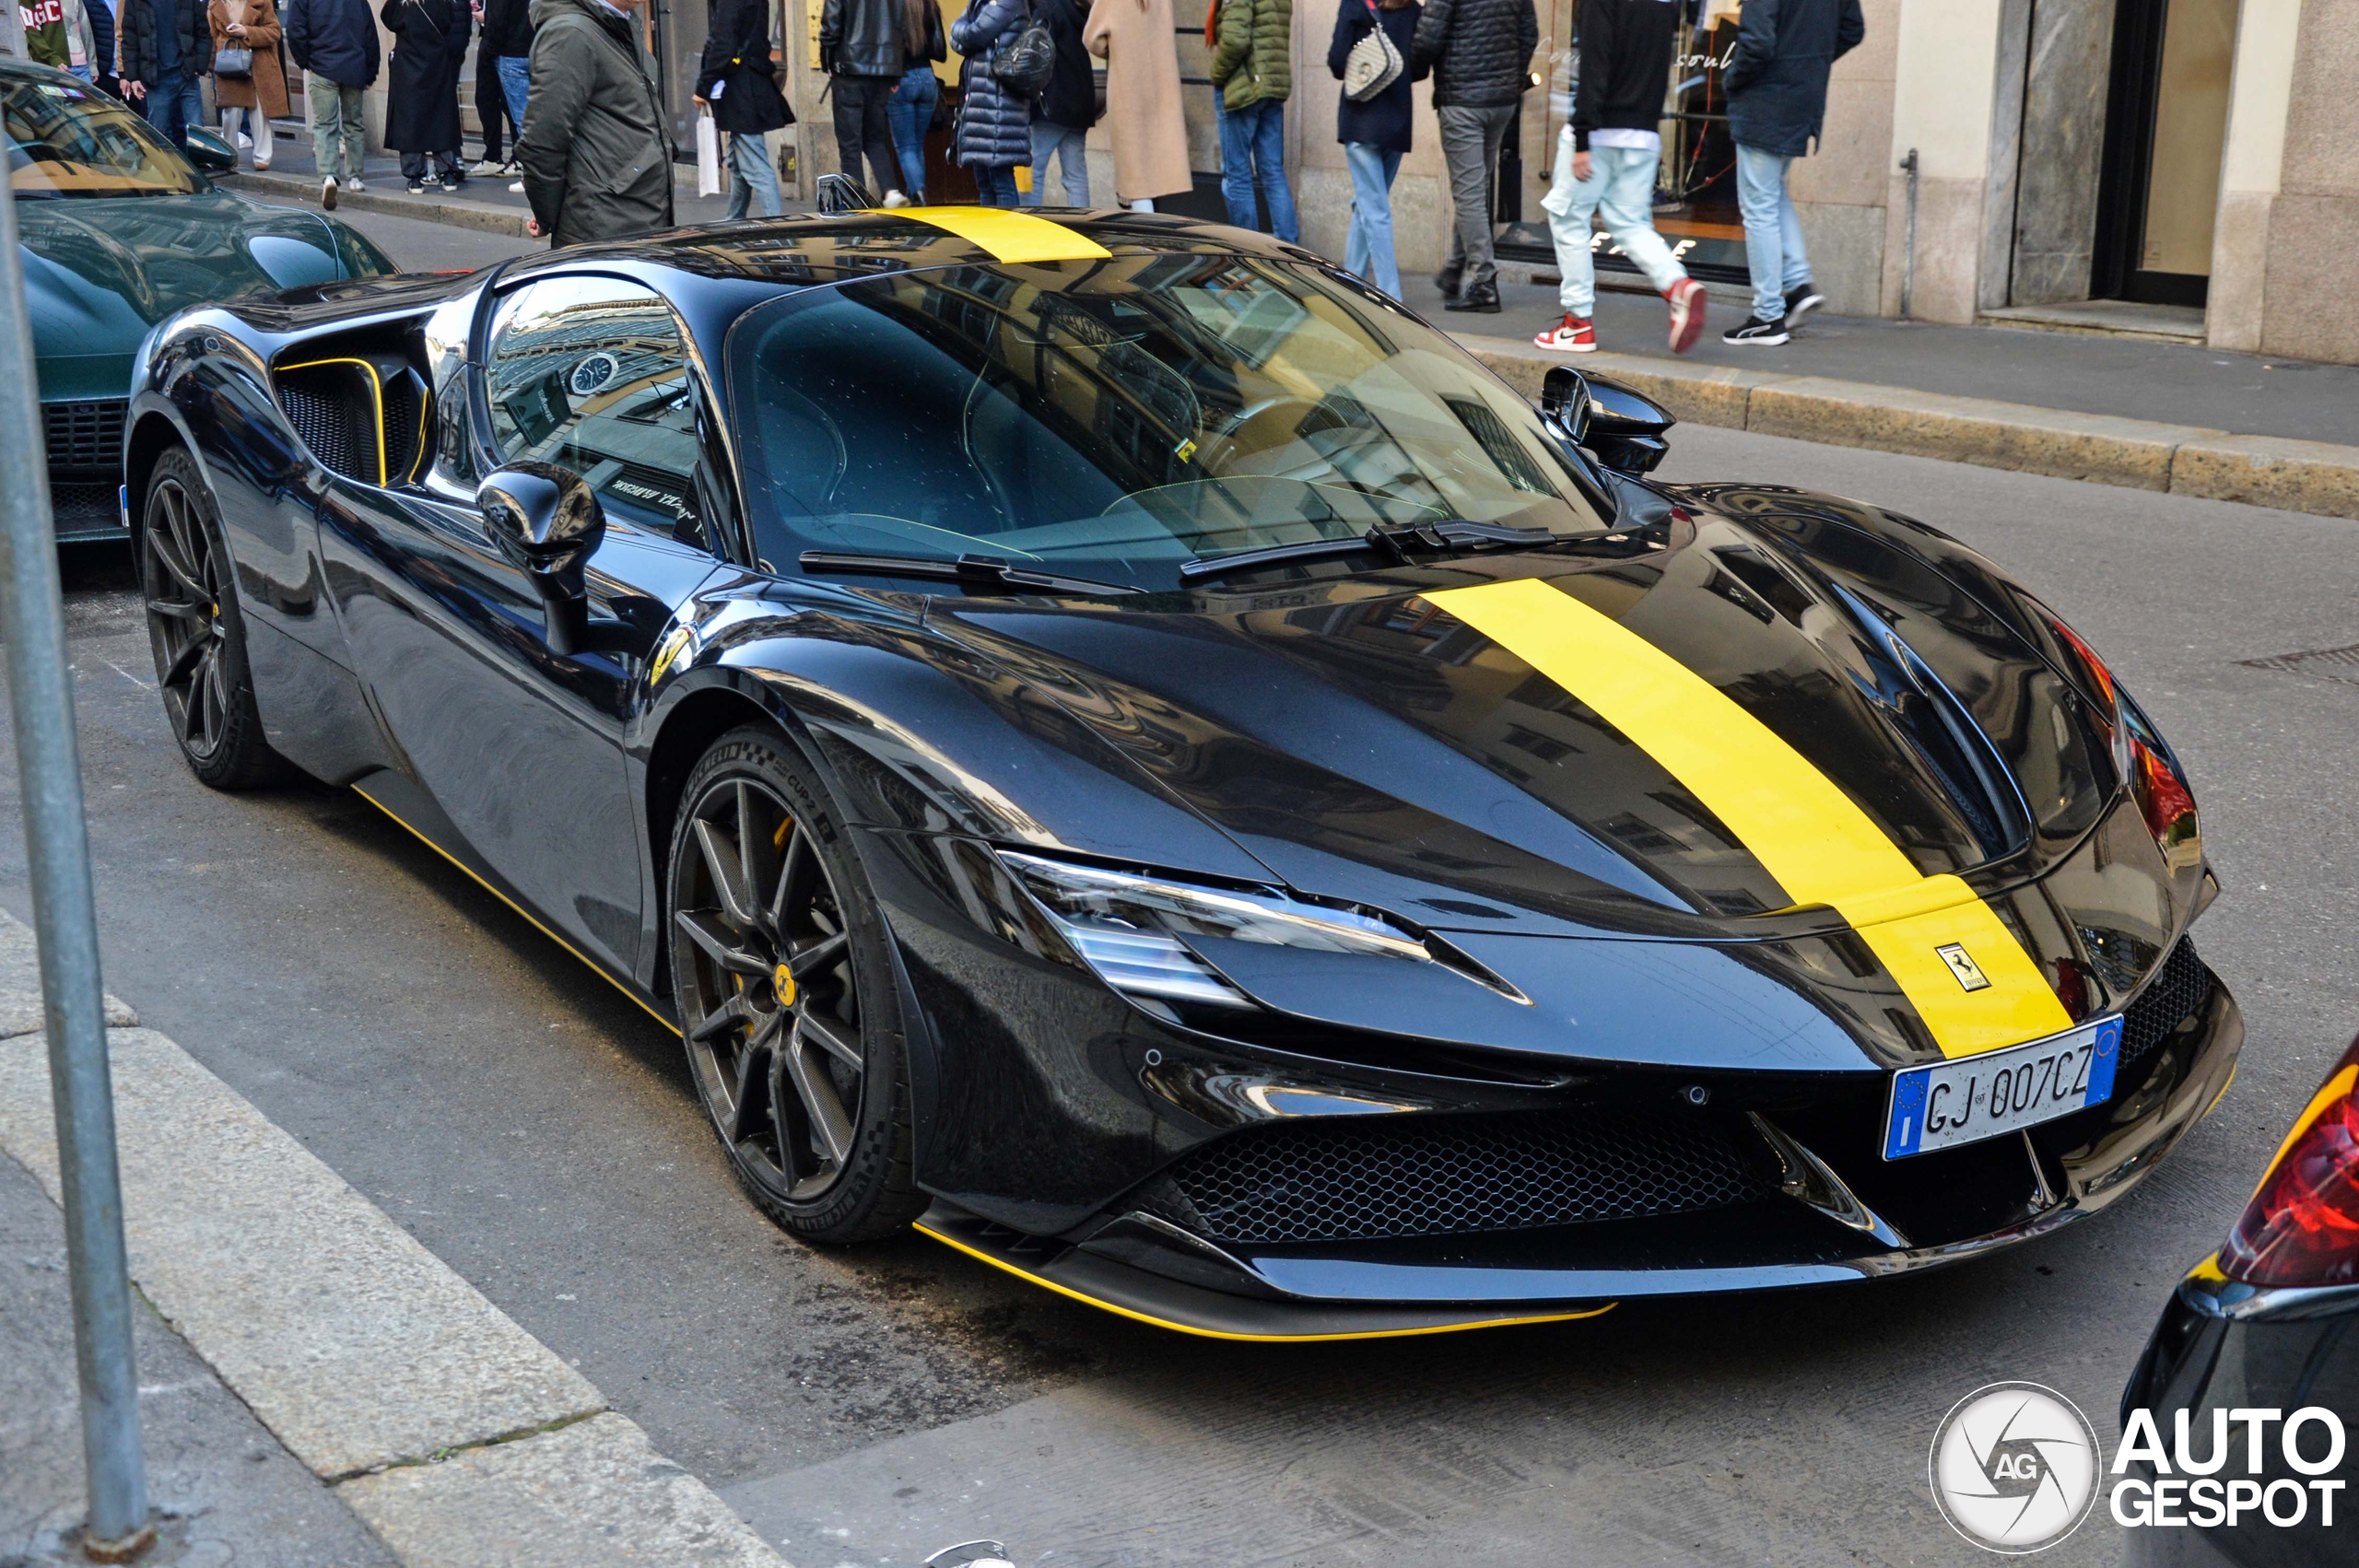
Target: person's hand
x,y
134,90
533,228
236,29
1583,167
700,104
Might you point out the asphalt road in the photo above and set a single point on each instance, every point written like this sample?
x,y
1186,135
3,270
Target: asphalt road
x,y
537,1131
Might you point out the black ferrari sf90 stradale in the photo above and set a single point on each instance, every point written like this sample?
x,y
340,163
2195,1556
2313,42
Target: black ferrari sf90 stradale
x,y
1122,747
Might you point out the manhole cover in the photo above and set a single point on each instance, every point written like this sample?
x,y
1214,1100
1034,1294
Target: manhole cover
x,y
2326,663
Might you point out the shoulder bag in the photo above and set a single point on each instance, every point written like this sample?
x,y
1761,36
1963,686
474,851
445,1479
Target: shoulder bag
x,y
1374,63
1029,59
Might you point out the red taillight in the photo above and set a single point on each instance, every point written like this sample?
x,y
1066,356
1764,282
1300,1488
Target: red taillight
x,y
2098,673
2302,1227
2167,806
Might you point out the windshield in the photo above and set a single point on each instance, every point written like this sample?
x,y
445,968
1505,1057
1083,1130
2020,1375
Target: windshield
x,y
1117,420
68,140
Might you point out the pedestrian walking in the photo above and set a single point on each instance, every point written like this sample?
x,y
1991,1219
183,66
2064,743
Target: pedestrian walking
x,y
69,36
1479,54
1143,112
167,54
995,135
909,113
422,103
250,99
864,48
1252,72
1606,158
508,44
597,163
1777,88
738,81
1376,133
1067,108
334,42
493,116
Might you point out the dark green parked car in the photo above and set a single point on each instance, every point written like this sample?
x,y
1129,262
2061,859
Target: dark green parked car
x,y
119,231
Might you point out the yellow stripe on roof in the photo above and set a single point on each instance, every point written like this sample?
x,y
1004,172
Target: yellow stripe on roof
x,y
1803,828
1011,236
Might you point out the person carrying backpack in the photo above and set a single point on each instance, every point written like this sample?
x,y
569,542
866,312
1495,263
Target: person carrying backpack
x,y
1067,108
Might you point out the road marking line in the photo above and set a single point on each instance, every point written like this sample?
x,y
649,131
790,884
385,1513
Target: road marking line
x,y
366,1354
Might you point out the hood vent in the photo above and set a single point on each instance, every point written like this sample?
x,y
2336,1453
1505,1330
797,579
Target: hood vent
x,y
1941,730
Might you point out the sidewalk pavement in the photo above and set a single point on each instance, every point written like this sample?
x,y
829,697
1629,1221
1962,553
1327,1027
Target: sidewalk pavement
x,y
410,1423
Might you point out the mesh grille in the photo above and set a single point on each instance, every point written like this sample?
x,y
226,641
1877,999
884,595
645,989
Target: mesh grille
x,y
85,433
83,509
1375,1177
402,416
2178,988
324,416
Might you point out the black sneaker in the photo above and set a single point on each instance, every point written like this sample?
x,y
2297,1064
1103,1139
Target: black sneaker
x,y
1755,332
1482,297
450,182
1800,302
417,187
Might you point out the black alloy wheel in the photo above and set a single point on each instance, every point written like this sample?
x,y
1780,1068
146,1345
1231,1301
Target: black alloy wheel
x,y
198,632
786,997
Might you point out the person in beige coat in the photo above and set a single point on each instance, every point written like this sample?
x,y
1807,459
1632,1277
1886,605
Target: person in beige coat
x,y
260,98
1143,116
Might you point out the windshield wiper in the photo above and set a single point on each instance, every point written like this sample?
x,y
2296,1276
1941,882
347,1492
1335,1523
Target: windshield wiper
x,y
973,571
1450,534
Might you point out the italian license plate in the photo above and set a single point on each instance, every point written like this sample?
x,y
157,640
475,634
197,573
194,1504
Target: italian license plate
x,y
1945,1103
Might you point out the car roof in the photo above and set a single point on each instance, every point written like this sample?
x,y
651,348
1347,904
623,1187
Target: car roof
x,y
815,249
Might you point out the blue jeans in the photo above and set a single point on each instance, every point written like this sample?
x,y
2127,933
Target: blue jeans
x,y
910,111
172,106
1620,187
995,187
1069,148
1253,150
1368,249
515,84
1773,234
752,177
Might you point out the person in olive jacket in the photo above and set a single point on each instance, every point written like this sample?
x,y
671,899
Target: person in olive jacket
x,y
1252,72
422,101
597,161
1480,54
737,80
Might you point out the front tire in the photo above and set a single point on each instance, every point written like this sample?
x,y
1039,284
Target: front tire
x,y
198,632
786,997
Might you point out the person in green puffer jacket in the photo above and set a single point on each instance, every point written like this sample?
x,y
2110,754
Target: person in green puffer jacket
x,y
1253,69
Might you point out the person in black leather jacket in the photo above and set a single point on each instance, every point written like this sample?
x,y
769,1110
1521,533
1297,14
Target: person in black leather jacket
x,y
1479,54
864,45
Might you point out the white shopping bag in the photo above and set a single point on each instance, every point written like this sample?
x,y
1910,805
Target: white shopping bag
x,y
708,157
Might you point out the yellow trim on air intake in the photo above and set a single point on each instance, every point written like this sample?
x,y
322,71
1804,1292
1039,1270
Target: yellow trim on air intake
x,y
377,389
1011,236
1804,829
597,968
1138,1317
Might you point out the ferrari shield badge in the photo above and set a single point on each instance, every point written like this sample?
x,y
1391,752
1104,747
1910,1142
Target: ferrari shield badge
x,y
1969,974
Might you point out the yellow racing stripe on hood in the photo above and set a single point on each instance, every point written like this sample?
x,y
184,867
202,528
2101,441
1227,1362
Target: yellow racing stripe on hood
x,y
1809,835
1011,236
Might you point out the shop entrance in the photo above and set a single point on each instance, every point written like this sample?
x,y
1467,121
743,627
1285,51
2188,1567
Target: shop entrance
x,y
1695,182
2166,123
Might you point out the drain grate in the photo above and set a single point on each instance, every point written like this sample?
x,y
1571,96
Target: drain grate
x,y
2325,663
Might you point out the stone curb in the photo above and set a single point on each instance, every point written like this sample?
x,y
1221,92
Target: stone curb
x,y
461,1439
394,203
2305,476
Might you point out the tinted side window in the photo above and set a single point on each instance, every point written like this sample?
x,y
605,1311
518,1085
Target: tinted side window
x,y
591,374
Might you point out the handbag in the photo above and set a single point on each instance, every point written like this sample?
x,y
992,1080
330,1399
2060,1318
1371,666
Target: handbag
x,y
235,64
1025,65
708,155
1373,65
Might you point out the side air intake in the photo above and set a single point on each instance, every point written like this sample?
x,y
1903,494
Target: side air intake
x,y
363,415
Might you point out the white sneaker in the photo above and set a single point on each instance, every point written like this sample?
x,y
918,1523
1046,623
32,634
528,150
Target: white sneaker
x,y
244,141
354,184
327,193
517,186
488,167
894,199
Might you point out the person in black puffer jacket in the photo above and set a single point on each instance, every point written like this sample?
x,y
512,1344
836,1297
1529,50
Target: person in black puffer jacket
x,y
995,125
1375,135
1777,88
1479,54
862,47
1067,108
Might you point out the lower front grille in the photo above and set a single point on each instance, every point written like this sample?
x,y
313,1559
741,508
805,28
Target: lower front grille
x,y
84,435
1367,1177
2180,986
85,510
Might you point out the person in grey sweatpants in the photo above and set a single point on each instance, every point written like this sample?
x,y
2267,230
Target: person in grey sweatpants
x,y
1479,54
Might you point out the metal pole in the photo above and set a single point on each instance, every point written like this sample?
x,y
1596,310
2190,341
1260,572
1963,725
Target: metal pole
x,y
1908,246
57,851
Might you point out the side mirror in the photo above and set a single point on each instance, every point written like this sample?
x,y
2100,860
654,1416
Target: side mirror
x,y
210,151
841,194
548,521
1564,398
1625,430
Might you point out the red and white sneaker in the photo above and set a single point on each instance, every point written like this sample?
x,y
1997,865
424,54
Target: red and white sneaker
x,y
1687,301
1578,335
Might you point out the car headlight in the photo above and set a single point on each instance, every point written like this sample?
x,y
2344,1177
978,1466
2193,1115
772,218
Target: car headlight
x,y
1129,928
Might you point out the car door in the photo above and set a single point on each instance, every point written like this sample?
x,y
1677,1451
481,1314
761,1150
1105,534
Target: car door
x,y
521,747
